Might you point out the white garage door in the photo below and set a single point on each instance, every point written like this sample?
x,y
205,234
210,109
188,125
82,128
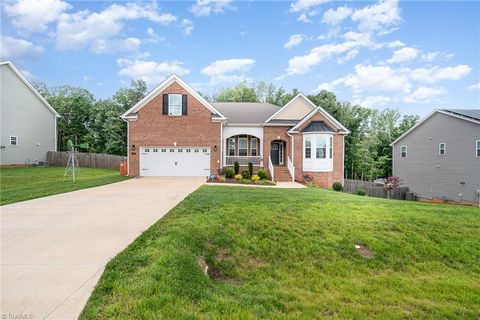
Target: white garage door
x,y
175,162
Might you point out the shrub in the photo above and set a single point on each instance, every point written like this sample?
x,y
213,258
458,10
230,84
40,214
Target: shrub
x,y
337,186
262,174
246,181
229,173
237,167
255,178
238,177
250,168
361,192
245,174
221,179
221,172
265,182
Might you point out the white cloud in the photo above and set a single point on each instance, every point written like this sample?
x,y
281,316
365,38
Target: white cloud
x,y
187,26
109,46
150,71
435,74
18,49
429,56
380,17
474,87
34,15
294,40
377,78
205,7
304,18
229,70
349,56
302,5
82,28
395,44
403,55
424,94
335,16
372,101
153,37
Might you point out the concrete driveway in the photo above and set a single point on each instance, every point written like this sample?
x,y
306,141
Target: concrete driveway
x,y
55,248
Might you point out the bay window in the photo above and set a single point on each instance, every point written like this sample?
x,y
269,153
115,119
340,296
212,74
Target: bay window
x,y
322,144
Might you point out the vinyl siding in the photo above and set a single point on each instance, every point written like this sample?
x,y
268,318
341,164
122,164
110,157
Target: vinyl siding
x,y
22,114
431,175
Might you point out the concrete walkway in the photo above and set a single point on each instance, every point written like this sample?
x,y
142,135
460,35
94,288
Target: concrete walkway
x,y
55,248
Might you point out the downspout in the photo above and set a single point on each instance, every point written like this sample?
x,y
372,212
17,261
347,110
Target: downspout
x,y
128,146
221,144
293,154
343,160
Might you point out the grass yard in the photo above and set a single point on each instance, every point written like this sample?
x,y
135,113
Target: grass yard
x,y
289,254
24,183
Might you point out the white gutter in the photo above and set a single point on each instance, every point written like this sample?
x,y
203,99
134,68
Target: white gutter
x,y
128,145
221,145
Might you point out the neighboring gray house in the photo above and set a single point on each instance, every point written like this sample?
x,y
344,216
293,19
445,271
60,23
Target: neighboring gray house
x,y
28,123
439,158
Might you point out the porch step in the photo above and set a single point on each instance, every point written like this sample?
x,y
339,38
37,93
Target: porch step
x,y
282,174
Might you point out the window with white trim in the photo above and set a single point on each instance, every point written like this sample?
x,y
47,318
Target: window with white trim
x,y
308,147
231,147
477,146
242,147
331,148
318,152
254,147
442,149
174,104
13,140
403,151
320,147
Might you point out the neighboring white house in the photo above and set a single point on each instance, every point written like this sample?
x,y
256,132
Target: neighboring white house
x,y
28,122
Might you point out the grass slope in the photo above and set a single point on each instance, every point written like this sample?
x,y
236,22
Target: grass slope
x,y
23,183
289,254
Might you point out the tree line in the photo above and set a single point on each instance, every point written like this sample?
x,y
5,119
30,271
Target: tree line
x,y
97,121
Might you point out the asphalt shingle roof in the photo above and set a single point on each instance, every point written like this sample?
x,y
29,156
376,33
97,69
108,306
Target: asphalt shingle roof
x,y
469,113
246,112
318,126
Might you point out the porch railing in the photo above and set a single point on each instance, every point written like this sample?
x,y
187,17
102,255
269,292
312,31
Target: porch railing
x,y
243,160
271,168
291,168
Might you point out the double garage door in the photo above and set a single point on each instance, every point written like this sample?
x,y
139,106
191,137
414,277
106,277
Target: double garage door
x,y
175,162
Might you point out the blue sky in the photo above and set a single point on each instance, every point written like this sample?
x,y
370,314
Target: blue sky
x,y
413,56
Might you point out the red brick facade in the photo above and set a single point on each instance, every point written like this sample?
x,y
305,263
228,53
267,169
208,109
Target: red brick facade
x,y
195,129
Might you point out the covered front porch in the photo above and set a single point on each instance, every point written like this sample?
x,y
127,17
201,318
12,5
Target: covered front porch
x,y
243,148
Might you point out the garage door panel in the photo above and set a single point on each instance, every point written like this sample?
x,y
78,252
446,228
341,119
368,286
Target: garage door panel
x,y
178,161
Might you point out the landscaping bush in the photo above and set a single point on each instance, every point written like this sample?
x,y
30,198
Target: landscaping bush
x,y
245,174
238,177
237,167
255,178
221,179
265,182
262,174
337,186
250,168
229,173
246,181
361,192
222,171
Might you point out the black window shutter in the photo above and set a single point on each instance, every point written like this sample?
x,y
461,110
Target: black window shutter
x,y
184,104
165,104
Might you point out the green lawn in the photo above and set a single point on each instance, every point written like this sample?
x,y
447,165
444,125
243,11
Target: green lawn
x,y
23,183
289,254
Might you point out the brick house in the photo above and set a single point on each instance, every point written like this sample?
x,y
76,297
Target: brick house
x,y
174,131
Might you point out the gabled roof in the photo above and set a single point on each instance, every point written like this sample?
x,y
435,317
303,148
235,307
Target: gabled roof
x,y
131,113
246,112
29,85
471,115
318,126
298,96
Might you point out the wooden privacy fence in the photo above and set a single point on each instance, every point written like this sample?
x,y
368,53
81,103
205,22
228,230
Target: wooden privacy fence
x,y
374,190
86,160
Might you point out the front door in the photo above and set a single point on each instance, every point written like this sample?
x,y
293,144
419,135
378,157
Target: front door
x,y
275,153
